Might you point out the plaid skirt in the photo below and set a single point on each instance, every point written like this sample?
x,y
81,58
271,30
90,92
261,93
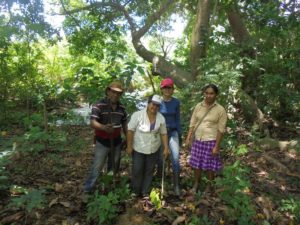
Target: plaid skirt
x,y
202,158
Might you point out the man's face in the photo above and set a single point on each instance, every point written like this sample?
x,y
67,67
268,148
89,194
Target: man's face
x,y
114,96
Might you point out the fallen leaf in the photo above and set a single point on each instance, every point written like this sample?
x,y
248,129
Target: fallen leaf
x,y
205,202
3,133
179,220
53,202
11,218
65,204
78,162
191,206
38,215
58,187
178,209
267,213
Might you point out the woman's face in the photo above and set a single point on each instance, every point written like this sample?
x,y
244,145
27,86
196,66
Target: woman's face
x,y
153,108
167,91
210,95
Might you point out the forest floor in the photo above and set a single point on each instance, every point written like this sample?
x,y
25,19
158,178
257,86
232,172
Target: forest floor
x,y
273,191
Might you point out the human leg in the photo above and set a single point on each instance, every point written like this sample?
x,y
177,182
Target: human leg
x,y
138,162
197,177
148,172
174,148
100,156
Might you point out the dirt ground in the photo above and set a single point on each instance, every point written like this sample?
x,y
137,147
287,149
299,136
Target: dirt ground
x,y
274,175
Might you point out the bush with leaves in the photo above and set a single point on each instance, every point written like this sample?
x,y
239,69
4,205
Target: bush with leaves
x,y
103,209
292,206
36,139
235,185
31,200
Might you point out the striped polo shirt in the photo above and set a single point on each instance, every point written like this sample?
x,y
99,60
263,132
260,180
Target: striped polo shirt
x,y
104,114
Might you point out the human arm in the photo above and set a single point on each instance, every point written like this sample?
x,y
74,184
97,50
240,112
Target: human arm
x,y
216,149
188,140
129,149
221,129
108,128
133,123
178,120
164,138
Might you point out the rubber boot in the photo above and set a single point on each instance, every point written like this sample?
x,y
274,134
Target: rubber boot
x,y
176,184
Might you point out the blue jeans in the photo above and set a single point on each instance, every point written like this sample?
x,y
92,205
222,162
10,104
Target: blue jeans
x,y
174,148
101,153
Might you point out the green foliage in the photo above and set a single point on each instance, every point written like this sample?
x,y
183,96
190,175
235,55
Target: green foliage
x,y
36,139
31,200
241,150
123,192
4,182
235,183
196,220
102,209
292,206
4,175
155,198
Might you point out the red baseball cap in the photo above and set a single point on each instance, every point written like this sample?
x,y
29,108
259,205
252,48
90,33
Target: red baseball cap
x,y
167,82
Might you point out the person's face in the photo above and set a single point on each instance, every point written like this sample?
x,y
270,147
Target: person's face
x,y
153,108
114,96
167,91
210,95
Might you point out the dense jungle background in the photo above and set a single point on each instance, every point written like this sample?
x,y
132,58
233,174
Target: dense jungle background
x,y
58,56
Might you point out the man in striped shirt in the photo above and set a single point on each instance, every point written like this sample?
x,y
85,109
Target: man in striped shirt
x,y
108,118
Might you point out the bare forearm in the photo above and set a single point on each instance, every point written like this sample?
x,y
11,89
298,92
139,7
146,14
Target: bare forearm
x,y
130,138
125,129
219,139
189,135
164,139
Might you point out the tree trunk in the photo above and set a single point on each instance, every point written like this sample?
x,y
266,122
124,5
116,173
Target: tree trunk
x,y
243,40
199,39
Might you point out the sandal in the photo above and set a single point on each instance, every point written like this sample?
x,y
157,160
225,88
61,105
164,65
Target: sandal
x,y
147,205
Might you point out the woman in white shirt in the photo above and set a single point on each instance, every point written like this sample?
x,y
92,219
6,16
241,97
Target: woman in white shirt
x,y
146,131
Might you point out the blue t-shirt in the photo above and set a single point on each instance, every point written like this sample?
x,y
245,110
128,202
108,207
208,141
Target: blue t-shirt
x,y
171,112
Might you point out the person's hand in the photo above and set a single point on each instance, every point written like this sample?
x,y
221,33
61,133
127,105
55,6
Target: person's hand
x,y
166,152
215,151
129,150
108,128
188,143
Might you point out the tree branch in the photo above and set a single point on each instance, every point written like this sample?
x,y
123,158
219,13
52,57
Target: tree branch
x,y
68,13
114,5
153,18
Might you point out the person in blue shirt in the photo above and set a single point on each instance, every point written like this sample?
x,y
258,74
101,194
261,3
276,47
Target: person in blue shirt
x,y
170,108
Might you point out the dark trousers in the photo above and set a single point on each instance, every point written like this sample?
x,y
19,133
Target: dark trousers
x,y
142,172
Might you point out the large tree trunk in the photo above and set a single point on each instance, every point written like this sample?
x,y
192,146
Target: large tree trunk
x,y
199,39
243,40
251,111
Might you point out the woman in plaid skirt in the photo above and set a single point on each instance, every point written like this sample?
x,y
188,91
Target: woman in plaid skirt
x,y
207,125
